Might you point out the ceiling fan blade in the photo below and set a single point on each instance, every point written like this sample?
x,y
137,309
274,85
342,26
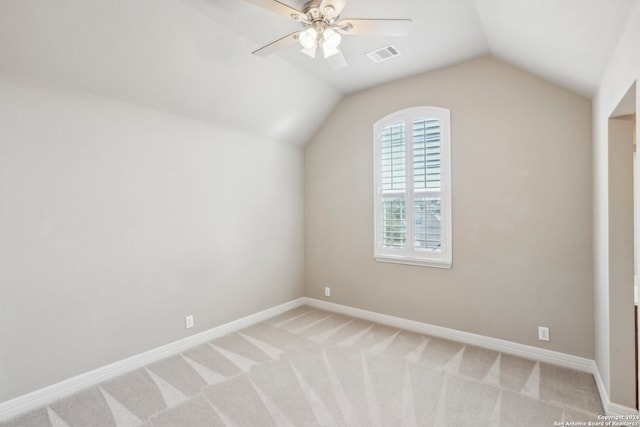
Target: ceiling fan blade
x,y
375,27
280,8
338,5
337,61
285,41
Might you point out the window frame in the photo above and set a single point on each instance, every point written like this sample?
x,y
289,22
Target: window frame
x,y
408,254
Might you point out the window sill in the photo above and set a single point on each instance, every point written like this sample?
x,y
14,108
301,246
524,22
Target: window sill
x,y
414,261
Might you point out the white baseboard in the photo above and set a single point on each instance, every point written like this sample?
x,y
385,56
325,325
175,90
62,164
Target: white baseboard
x,y
610,408
615,409
65,388
509,347
47,395
530,352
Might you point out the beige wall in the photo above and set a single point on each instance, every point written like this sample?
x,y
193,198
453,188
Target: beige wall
x,y
622,72
116,222
522,256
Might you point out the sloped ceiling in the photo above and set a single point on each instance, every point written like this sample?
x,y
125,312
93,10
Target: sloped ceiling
x,y
164,55
192,57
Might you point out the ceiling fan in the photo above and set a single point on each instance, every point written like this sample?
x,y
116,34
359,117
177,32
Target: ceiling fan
x,y
322,27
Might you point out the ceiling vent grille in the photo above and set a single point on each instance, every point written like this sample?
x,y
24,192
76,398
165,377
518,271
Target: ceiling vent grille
x,y
383,54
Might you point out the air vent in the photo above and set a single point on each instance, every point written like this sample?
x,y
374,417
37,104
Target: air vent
x,y
383,54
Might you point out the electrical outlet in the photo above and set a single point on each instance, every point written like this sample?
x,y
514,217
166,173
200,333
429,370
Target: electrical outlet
x,y
543,333
188,321
327,291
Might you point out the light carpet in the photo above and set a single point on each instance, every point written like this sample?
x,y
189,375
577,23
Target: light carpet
x,y
309,367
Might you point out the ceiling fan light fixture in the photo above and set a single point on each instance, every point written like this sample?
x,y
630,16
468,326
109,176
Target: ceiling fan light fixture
x,y
308,38
320,25
331,39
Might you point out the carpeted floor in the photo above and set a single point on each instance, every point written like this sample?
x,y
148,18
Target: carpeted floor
x,y
309,367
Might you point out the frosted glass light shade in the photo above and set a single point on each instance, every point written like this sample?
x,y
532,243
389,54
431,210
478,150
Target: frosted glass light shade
x,y
331,38
307,38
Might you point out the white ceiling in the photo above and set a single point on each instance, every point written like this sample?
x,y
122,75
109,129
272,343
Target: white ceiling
x,y
192,57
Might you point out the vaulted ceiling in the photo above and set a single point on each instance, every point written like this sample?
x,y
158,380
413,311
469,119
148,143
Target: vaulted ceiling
x,y
192,57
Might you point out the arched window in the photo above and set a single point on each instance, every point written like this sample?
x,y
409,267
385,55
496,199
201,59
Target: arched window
x,y
412,190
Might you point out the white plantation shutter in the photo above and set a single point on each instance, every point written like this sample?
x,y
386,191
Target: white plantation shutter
x,y
393,183
426,180
412,191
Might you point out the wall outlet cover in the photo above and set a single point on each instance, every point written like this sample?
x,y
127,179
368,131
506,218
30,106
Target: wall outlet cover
x,y
543,333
